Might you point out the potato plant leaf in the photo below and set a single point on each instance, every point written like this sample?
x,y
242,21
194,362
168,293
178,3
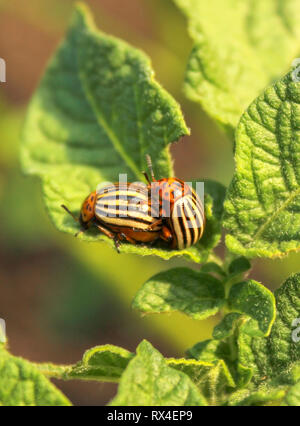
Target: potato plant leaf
x,y
213,268
228,325
253,299
292,397
196,294
148,380
103,363
268,366
213,351
279,351
22,384
265,396
263,201
107,363
239,266
213,379
200,295
236,51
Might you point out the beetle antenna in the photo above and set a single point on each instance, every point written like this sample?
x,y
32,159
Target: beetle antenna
x,y
70,213
150,167
147,177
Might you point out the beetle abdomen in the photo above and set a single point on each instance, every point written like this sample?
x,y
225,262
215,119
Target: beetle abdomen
x,y
187,221
125,206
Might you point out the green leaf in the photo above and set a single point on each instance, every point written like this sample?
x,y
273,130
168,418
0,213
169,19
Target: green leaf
x,y
262,208
226,326
214,200
22,384
268,366
196,294
96,113
107,363
233,321
262,397
213,379
229,336
103,363
209,351
256,301
217,192
283,350
213,268
236,51
213,351
278,353
148,380
239,265
231,343
282,390
292,398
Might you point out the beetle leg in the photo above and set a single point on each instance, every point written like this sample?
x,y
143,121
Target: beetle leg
x,y
123,236
154,224
109,234
117,243
150,227
104,230
166,234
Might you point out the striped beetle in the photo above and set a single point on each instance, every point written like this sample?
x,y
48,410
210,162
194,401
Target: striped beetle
x,y
181,211
121,211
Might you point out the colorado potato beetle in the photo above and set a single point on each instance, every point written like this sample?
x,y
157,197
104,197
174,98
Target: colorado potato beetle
x,y
180,209
122,212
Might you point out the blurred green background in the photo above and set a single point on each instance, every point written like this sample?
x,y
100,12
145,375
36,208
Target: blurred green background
x,y
60,296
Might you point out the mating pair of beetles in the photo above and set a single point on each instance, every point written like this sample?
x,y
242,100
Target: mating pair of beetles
x,y
124,212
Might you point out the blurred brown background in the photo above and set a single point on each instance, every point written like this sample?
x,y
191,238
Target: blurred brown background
x,y
58,296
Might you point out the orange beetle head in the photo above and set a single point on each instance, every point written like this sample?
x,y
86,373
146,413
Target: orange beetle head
x,y
87,212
